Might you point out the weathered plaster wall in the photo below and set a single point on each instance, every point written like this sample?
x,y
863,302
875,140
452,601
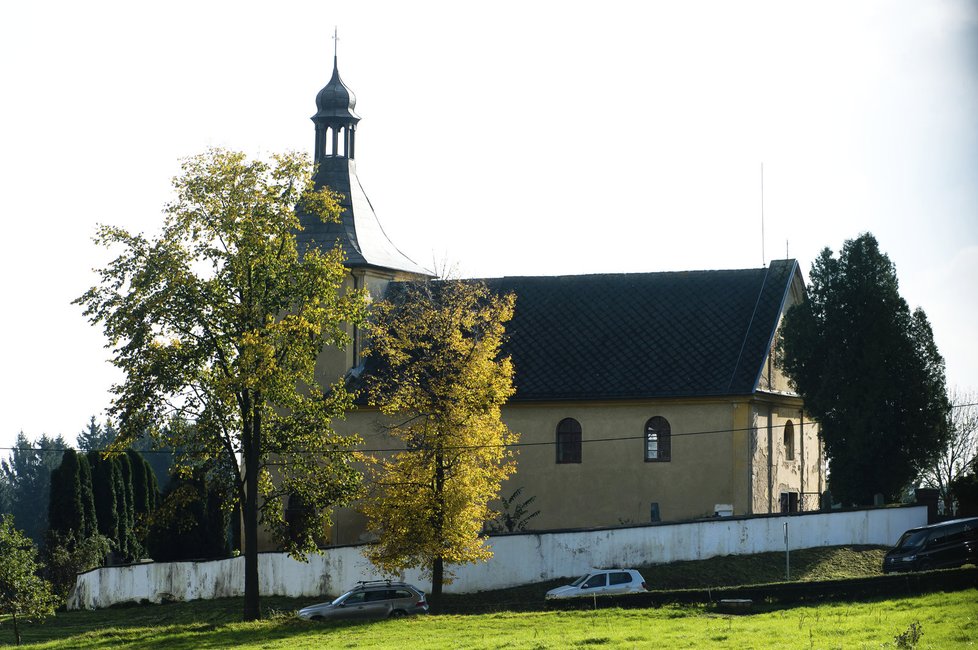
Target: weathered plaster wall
x,y
518,559
773,470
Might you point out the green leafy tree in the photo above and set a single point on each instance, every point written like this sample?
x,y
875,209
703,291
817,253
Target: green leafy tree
x,y
65,556
869,372
219,321
439,377
24,595
25,481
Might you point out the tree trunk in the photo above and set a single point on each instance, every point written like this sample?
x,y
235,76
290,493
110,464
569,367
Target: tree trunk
x,y
437,577
252,441
438,564
16,628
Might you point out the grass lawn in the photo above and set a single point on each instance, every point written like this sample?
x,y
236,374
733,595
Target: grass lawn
x,y
518,618
946,620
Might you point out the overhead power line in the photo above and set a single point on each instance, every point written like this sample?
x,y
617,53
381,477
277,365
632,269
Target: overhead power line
x,y
463,447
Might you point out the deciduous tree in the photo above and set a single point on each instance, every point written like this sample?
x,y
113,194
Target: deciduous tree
x,y
24,595
965,490
962,447
437,373
869,372
219,321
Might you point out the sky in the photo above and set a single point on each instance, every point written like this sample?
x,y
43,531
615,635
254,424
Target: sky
x,y
503,138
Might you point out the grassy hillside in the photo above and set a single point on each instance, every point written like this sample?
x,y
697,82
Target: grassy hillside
x,y
173,621
942,620
825,563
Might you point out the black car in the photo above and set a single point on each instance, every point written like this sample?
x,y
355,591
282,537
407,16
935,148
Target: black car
x,y
948,544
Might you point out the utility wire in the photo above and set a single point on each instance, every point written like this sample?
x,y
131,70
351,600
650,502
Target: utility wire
x,y
464,447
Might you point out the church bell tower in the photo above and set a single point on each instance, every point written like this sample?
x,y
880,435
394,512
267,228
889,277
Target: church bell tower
x,y
373,260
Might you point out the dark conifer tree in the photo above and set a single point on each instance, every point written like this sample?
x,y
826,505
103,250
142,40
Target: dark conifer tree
x,y
87,496
869,372
141,499
103,489
122,475
25,481
66,513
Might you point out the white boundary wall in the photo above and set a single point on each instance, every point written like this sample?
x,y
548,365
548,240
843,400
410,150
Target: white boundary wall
x,y
517,559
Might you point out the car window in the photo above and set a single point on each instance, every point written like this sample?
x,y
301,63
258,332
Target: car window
x,y
955,533
355,598
580,581
597,580
912,539
403,593
619,578
379,594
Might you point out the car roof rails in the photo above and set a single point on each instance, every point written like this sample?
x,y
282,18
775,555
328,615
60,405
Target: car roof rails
x,y
368,583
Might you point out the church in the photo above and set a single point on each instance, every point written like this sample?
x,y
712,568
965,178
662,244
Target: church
x,y
640,397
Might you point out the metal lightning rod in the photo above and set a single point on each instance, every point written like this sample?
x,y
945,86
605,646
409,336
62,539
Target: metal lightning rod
x,y
763,256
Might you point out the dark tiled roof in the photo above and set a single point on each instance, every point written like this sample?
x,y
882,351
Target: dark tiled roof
x,y
642,335
359,232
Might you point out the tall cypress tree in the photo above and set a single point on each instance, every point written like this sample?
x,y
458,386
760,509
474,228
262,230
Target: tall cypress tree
x,y
66,512
103,489
122,475
140,488
87,496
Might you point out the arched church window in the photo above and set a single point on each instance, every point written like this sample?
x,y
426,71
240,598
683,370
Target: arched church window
x,y
569,441
658,440
789,440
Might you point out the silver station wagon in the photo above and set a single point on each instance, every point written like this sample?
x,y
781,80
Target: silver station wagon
x,y
371,600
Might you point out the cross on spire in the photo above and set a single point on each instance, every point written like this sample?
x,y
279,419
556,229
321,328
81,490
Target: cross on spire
x,y
336,40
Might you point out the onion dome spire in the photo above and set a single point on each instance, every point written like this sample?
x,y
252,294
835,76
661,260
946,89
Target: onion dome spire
x,y
335,119
359,232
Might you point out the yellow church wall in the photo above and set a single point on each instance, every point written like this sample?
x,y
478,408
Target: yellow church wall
x,y
721,453
613,484
333,363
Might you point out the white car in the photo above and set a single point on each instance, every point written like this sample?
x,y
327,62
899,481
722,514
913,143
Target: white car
x,y
602,581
